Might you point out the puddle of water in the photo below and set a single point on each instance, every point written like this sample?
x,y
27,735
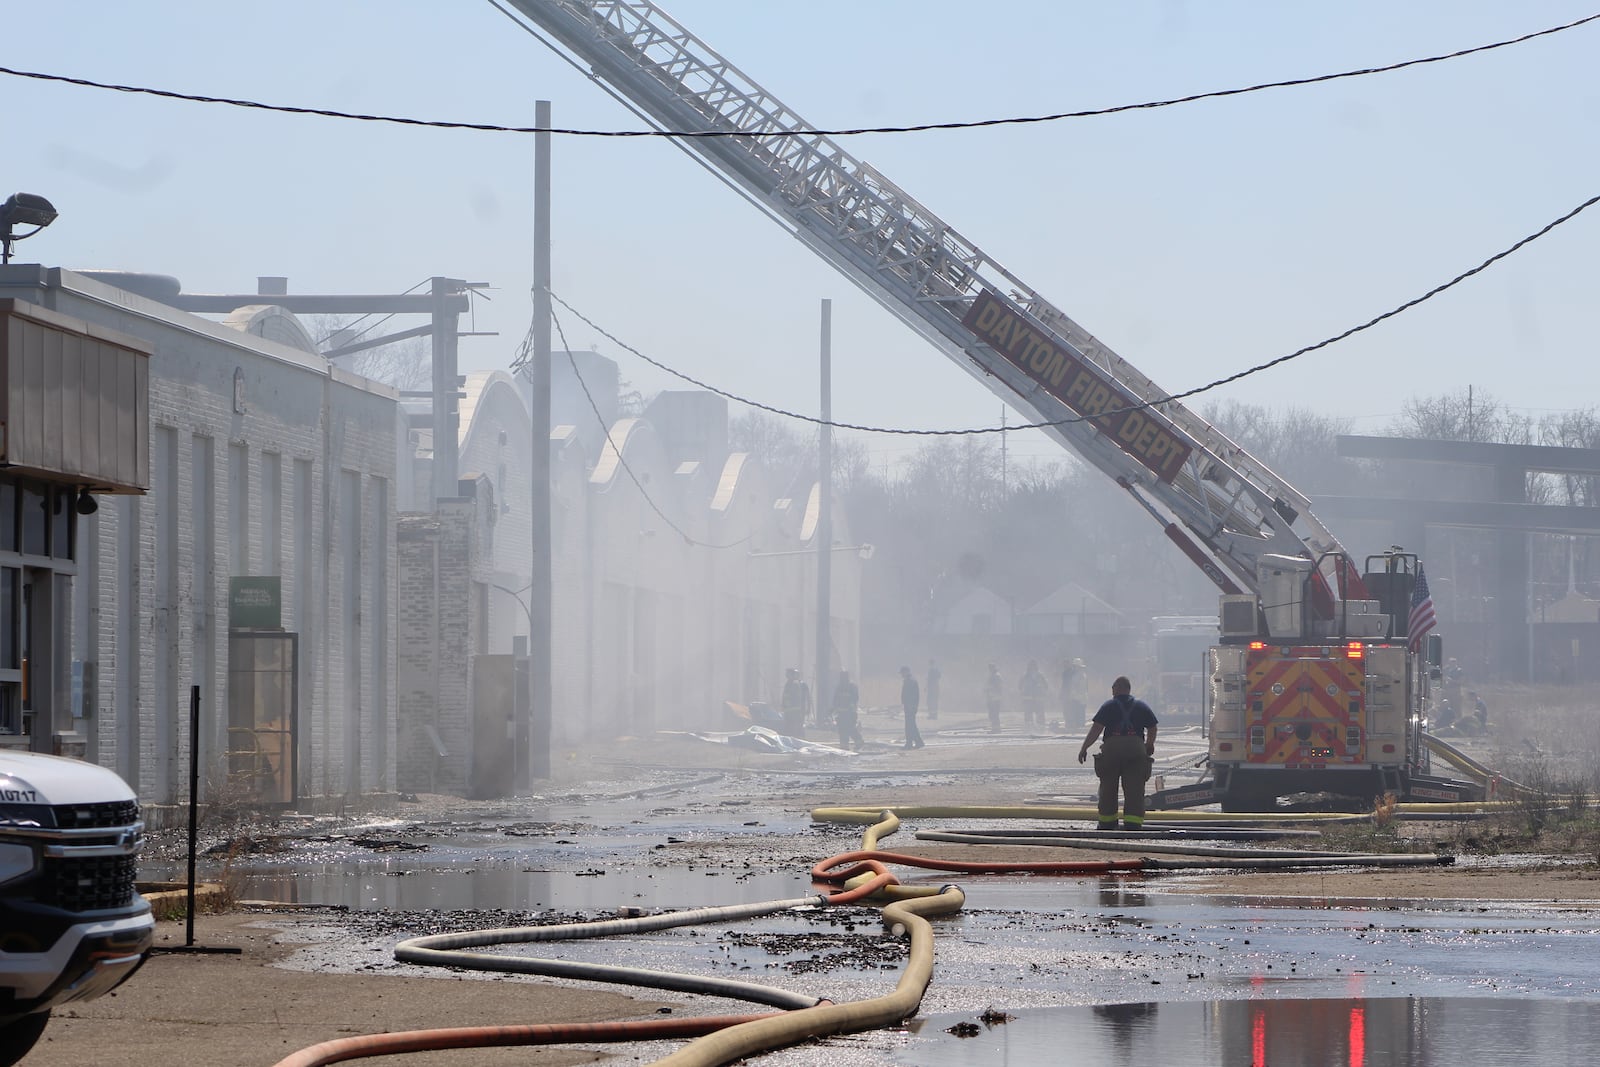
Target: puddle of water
x,y
1346,1032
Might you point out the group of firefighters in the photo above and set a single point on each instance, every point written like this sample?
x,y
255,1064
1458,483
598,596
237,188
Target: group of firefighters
x,y
843,709
1125,726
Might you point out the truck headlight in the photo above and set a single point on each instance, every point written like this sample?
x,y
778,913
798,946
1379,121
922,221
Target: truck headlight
x,y
16,861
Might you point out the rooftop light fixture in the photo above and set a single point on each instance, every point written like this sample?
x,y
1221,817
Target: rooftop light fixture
x,y
22,209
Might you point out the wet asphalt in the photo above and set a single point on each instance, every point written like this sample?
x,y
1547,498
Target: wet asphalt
x,y
1124,967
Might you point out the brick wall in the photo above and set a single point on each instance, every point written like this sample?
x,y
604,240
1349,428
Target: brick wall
x,y
211,389
440,558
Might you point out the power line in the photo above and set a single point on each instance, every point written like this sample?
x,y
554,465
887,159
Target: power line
x,y
486,127
1140,406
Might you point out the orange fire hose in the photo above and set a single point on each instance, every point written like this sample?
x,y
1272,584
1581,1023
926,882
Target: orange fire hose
x,y
352,1048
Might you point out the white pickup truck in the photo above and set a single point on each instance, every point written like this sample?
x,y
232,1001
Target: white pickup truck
x,y
72,925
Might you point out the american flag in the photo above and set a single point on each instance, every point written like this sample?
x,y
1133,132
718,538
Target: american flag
x,y
1422,617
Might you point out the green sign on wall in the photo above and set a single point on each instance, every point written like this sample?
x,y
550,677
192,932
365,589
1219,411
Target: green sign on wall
x,y
255,603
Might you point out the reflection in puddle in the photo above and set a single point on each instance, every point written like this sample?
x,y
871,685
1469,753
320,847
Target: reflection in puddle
x,y
1351,1032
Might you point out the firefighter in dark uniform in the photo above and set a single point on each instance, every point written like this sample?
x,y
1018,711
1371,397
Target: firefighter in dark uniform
x,y
1125,755
796,703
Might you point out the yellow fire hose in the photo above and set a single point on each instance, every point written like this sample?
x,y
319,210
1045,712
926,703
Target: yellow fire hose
x,y
761,1035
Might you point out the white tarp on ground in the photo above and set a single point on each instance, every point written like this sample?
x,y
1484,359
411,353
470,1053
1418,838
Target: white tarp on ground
x,y
761,739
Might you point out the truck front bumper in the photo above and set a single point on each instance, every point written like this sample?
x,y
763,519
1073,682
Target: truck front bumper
x,y
89,959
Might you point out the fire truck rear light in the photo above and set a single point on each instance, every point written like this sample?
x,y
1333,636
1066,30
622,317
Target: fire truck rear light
x,y
1388,750
1355,650
1224,746
1257,646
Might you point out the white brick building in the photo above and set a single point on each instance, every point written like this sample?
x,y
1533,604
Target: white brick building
x,y
267,462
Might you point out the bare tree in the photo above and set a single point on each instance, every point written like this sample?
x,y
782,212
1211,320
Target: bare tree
x,y
786,451
1463,416
406,365
1297,443
851,465
1575,429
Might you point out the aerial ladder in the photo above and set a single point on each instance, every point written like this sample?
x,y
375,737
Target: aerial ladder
x,y
1294,605
1224,508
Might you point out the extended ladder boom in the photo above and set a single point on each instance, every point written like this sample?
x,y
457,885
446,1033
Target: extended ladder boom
x,y
1184,471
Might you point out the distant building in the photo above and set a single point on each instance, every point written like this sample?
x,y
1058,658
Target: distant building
x,y
1072,610
681,582
971,610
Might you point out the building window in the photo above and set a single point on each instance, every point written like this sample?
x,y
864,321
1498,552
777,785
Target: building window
x,y
8,516
271,513
63,522
238,509
35,521
10,604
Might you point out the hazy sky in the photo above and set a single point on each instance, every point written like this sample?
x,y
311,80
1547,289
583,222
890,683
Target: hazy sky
x,y
1196,239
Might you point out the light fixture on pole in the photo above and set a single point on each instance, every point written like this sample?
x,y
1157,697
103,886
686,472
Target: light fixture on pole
x,y
22,209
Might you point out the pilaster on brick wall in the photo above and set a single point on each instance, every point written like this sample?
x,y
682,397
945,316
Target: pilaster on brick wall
x,y
436,561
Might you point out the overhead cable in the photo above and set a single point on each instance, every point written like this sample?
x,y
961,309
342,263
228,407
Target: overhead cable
x,y
1142,405
766,134
622,461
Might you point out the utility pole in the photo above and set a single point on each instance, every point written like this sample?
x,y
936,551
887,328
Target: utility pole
x,y
824,687
541,589
1003,484
446,389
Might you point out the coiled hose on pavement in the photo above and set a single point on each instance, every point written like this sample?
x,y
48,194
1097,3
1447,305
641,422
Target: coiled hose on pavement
x,y
449,950
721,1038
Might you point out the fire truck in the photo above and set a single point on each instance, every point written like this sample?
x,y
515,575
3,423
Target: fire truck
x,y
1313,694
1312,687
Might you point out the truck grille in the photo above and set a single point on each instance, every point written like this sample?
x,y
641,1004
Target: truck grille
x,y
116,813
89,884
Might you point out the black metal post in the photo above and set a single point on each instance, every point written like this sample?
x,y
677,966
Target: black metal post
x,y
194,836
194,801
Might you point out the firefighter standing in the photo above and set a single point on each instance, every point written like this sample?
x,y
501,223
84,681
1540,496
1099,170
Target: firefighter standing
x,y
1034,689
796,703
910,693
1125,755
994,695
847,711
